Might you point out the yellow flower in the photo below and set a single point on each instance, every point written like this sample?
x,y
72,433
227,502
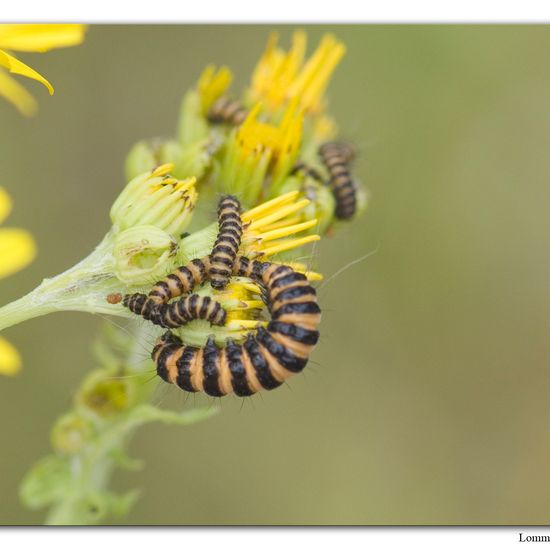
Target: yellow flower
x,y
280,77
17,250
257,149
30,38
212,84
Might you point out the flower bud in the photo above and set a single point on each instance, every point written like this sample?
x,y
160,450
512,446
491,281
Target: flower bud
x,y
70,433
156,198
104,394
321,206
143,254
141,158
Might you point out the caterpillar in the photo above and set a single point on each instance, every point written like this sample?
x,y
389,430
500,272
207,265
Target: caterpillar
x,y
264,360
226,247
337,157
227,111
182,281
181,311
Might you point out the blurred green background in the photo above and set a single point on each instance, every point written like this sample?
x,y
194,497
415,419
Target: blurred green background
x,y
427,400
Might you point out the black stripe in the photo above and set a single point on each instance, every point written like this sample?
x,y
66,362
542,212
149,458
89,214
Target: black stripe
x,y
148,309
228,238
185,272
210,369
176,280
223,272
294,292
164,355
197,262
238,372
279,271
184,369
283,355
260,364
222,247
222,260
295,332
164,286
297,308
193,299
204,307
181,309
157,294
233,226
342,188
285,280
228,216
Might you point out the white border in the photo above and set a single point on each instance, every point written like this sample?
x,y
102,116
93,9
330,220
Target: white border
x,y
269,538
278,11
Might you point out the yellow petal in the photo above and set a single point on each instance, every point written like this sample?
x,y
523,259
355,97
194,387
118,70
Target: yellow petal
x,y
17,95
18,67
17,250
40,38
10,360
5,204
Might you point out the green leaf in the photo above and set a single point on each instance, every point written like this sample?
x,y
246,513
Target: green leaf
x,y
46,483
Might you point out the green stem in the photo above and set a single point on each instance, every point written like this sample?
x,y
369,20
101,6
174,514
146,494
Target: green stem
x,y
92,468
83,287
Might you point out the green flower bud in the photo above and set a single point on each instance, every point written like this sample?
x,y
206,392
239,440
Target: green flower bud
x,y
142,254
105,395
70,433
147,154
141,158
155,198
322,203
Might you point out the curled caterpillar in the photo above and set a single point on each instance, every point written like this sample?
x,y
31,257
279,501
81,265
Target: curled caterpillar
x,y
227,111
181,311
227,244
265,359
182,281
337,158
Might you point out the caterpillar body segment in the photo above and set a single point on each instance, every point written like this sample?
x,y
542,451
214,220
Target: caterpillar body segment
x,y
226,247
182,281
189,308
337,158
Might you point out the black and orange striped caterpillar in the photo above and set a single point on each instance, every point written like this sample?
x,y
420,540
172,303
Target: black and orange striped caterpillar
x,y
266,359
227,111
178,313
337,158
226,247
